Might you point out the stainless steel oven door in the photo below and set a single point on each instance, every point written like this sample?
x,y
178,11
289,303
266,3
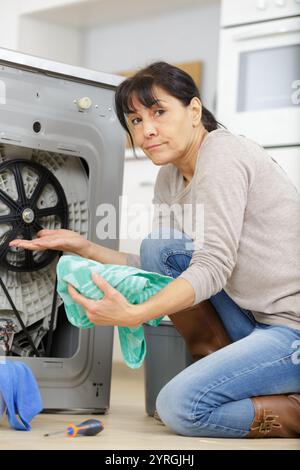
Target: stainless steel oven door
x,y
259,81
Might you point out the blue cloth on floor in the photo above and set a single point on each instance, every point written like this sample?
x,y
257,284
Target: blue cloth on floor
x,y
20,393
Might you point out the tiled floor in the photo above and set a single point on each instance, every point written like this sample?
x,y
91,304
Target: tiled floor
x,y
126,426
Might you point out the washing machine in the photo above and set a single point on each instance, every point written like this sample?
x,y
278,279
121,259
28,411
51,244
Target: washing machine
x,y
61,162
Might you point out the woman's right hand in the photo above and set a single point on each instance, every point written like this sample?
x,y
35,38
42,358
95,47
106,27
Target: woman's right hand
x,y
60,240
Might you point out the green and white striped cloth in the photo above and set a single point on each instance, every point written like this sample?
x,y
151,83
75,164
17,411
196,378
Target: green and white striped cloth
x,y
135,284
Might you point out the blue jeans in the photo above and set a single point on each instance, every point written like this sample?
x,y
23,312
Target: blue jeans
x,y
211,398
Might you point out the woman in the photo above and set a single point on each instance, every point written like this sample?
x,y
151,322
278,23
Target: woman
x,y
244,266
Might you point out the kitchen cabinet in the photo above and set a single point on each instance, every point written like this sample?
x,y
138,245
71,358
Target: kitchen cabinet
x,y
138,187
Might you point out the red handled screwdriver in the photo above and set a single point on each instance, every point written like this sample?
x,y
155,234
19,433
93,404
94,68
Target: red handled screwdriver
x,y
90,427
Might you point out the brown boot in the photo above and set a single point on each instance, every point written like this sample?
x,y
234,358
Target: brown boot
x,y
276,416
201,328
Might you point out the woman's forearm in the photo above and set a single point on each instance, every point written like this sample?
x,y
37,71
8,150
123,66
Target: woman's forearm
x,y
176,296
103,255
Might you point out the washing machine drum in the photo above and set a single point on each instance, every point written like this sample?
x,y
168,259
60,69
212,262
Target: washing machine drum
x,y
44,190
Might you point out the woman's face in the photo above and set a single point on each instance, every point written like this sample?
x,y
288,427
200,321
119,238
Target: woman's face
x,y
167,130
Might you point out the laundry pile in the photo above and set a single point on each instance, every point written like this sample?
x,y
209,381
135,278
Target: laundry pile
x,y
135,284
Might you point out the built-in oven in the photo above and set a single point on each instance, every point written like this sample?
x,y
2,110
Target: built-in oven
x,y
259,75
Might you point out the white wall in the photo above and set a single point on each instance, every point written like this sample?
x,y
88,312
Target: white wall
x,y
9,24
59,43
184,35
25,34
29,6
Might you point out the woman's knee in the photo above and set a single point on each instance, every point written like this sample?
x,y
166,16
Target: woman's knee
x,y
150,253
176,409
157,244
170,412
154,244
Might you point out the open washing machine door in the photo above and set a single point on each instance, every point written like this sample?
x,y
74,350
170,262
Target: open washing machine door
x,y
61,156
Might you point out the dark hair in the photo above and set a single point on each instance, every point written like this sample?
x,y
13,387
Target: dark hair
x,y
173,80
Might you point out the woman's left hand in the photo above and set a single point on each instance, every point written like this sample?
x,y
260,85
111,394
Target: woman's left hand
x,y
113,309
